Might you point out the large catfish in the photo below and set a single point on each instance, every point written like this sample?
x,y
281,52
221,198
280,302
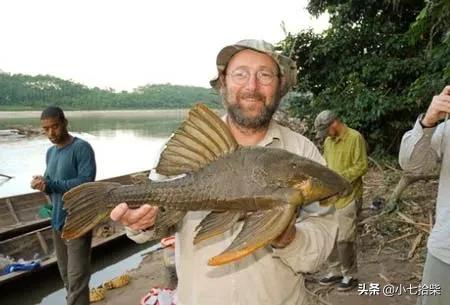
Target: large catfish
x,y
262,186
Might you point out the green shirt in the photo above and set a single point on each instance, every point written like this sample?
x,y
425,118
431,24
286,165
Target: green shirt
x,y
346,155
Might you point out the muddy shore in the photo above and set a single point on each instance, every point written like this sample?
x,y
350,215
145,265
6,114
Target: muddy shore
x,y
152,272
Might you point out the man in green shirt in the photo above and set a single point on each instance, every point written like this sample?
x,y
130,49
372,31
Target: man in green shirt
x,y
345,152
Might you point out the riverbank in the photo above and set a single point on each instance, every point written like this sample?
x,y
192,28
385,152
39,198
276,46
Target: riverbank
x,y
152,272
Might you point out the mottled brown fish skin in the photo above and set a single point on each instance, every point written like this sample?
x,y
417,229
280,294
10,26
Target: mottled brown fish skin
x,y
265,185
249,179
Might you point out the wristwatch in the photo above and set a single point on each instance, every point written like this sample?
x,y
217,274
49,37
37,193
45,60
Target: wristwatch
x,y
424,126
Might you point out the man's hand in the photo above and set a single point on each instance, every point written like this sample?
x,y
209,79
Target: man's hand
x,y
439,107
136,219
287,236
38,183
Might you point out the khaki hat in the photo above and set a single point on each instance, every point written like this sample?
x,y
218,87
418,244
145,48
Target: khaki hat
x,y
286,65
322,122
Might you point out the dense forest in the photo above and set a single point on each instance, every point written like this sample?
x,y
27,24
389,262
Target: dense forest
x,y
377,65
21,92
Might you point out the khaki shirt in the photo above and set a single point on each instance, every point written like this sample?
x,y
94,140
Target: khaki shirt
x,y
267,276
347,156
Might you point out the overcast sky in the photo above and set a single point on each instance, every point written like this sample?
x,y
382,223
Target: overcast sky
x,y
125,44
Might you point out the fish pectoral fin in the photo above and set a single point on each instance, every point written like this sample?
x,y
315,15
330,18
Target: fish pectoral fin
x,y
215,223
202,138
259,229
166,219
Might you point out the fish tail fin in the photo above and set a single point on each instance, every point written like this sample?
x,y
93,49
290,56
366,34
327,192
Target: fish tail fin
x,y
86,207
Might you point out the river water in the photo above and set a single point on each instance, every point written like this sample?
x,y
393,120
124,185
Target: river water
x,y
123,141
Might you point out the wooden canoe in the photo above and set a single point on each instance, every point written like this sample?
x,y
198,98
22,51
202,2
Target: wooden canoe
x,y
20,214
25,236
38,244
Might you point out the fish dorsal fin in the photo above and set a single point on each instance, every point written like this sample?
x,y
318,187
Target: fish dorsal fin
x,y
202,138
259,229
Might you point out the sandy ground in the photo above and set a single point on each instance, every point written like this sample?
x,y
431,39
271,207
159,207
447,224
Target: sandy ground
x,y
377,263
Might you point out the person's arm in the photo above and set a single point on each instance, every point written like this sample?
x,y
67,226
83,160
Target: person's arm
x,y
312,244
417,154
420,148
86,168
44,187
359,166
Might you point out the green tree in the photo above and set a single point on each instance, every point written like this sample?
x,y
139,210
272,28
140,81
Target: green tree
x,y
374,66
35,92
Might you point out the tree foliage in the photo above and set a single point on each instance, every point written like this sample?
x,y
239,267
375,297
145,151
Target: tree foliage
x,y
35,92
377,66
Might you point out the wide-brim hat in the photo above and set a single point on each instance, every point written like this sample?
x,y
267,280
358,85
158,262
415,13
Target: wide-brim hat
x,y
287,66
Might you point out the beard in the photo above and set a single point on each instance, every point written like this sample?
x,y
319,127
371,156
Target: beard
x,y
237,113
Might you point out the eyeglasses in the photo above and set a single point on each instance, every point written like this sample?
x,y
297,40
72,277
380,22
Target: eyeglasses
x,y
241,76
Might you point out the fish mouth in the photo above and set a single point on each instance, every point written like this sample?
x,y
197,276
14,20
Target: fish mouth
x,y
329,200
313,191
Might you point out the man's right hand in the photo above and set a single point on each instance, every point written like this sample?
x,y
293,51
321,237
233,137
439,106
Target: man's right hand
x,y
136,219
439,107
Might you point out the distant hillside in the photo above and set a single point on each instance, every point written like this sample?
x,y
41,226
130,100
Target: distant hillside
x,y
18,92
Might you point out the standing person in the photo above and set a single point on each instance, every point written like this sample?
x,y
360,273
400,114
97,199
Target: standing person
x,y
70,162
345,153
252,78
422,149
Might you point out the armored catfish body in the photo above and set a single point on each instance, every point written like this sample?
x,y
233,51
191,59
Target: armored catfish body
x,y
264,186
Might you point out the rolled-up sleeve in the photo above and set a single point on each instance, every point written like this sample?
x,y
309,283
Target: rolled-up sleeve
x,y
420,148
313,243
140,237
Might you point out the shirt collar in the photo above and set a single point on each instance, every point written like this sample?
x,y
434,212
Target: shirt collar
x,y
273,133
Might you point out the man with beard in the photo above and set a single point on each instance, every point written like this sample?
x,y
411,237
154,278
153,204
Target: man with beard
x,y
252,78
70,162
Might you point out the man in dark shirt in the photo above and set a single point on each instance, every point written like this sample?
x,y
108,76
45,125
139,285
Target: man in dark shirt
x,y
70,162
